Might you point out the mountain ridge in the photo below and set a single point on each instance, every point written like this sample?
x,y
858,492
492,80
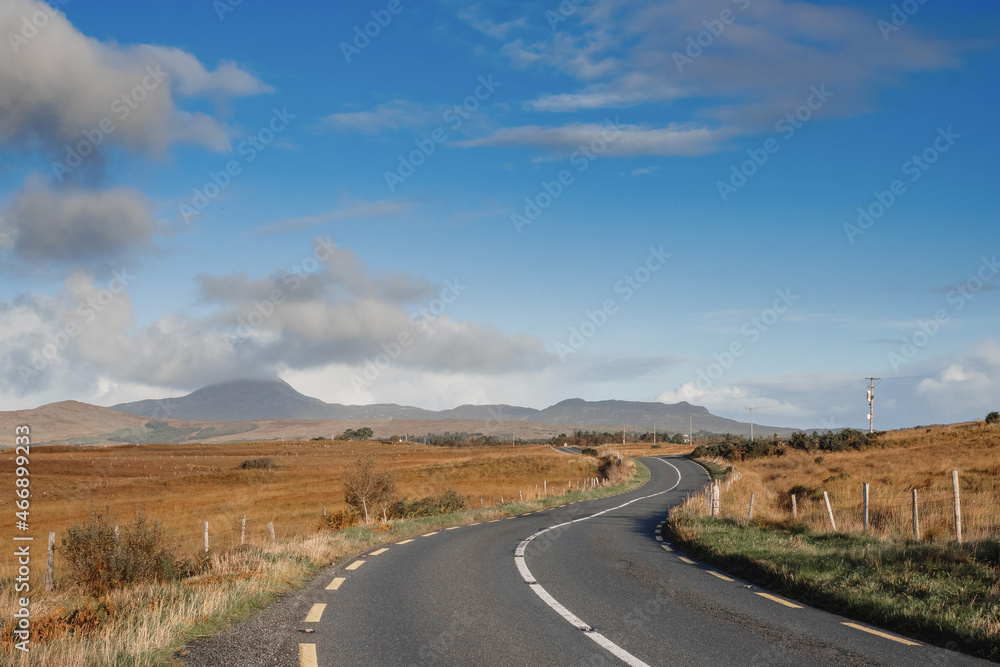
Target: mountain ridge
x,y
248,400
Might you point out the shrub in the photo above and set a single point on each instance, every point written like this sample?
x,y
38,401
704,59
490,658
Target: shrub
x,y
369,487
102,560
993,418
447,502
614,469
345,518
258,464
589,451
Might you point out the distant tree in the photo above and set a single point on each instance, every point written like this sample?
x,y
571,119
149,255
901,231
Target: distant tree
x,y
368,487
993,418
363,433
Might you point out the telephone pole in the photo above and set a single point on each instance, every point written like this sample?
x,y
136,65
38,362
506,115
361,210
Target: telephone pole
x,y
751,420
871,404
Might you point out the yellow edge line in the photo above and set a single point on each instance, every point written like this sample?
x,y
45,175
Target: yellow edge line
x,y
404,542
775,598
429,534
307,655
335,584
686,560
380,551
355,565
316,613
453,528
884,635
666,547
720,576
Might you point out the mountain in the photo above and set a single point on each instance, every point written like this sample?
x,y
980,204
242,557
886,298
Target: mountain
x,y
243,400
248,400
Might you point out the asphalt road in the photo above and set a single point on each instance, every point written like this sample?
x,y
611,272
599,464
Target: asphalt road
x,y
596,590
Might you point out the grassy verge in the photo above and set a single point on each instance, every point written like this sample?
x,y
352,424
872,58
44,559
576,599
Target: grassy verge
x,y
716,469
943,593
144,626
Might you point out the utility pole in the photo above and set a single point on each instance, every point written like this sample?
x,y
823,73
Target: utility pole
x,y
654,433
623,434
871,404
751,420
690,432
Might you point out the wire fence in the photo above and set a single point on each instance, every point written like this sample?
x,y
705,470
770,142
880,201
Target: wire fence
x,y
940,511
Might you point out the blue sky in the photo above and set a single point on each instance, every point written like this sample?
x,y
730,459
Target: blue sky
x,y
505,202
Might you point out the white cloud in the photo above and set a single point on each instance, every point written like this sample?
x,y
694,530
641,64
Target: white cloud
x,y
74,224
394,115
628,140
741,81
339,313
61,84
361,210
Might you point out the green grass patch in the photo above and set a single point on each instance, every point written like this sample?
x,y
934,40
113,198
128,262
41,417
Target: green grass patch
x,y
942,593
715,471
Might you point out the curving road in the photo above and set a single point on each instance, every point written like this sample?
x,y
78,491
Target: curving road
x,y
587,584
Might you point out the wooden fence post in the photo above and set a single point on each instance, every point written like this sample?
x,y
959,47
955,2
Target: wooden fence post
x,y
829,511
795,510
50,571
864,520
916,517
206,537
243,529
520,494
958,506
545,487
270,527
750,513
716,501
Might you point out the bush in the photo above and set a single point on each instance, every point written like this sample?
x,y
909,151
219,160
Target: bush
x,y
993,418
102,560
589,451
258,464
614,469
345,518
448,502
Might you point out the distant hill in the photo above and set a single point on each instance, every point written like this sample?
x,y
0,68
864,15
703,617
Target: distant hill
x,y
249,400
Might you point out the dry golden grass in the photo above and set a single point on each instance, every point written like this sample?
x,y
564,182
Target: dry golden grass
x,y
185,485
182,486
919,459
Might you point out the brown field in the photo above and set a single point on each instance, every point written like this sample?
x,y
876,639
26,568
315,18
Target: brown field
x,y
921,458
185,485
